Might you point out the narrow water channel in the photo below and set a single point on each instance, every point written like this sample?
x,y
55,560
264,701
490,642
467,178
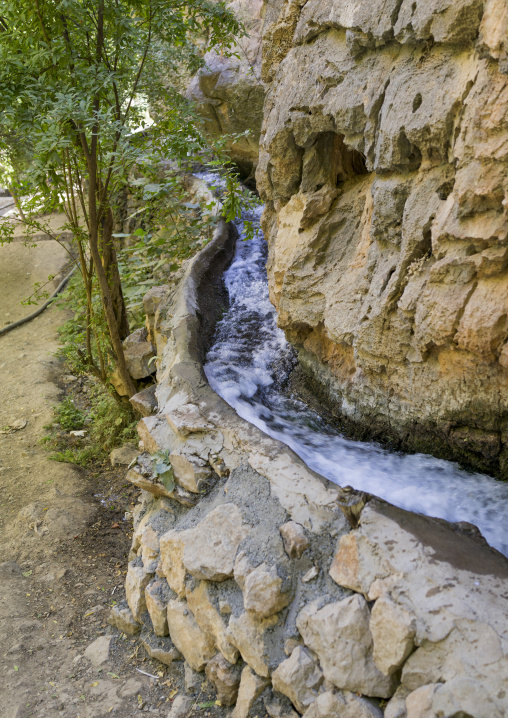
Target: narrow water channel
x,y
243,367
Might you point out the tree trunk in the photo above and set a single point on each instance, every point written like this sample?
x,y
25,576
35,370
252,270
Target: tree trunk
x,y
111,319
17,203
110,264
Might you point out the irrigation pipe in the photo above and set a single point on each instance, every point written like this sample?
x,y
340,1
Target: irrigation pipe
x,y
38,311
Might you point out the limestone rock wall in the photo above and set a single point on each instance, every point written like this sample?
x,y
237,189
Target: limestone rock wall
x,y
229,92
384,167
294,596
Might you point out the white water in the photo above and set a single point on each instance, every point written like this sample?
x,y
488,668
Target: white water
x,y
241,368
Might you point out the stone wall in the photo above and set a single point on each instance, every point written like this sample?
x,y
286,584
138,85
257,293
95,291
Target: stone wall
x,y
294,596
384,167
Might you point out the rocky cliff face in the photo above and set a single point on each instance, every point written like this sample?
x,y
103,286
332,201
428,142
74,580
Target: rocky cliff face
x,y
228,91
383,164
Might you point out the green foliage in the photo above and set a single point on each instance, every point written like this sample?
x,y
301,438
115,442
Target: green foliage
x,y
68,416
163,469
107,424
77,78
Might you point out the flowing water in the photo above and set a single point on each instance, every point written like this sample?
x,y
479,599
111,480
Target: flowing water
x,y
243,367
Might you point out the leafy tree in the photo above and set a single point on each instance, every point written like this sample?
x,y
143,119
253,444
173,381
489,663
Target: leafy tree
x,y
77,77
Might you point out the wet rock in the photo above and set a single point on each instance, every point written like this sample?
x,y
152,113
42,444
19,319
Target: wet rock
x,y
248,634
135,583
264,593
123,455
226,679
208,618
251,687
211,549
196,647
344,704
339,634
145,402
160,648
182,706
157,595
393,630
294,538
138,353
98,651
121,617
299,678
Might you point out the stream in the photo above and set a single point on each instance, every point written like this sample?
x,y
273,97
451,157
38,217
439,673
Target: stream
x,y
244,367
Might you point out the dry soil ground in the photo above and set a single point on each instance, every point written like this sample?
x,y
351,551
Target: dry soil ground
x,y
62,559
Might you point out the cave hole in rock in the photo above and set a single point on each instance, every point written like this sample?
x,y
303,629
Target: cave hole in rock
x,y
329,161
417,102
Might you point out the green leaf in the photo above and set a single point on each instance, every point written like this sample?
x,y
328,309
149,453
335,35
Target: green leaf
x,y
168,479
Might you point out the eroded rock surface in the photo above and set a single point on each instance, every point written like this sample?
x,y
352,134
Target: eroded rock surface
x,y
383,165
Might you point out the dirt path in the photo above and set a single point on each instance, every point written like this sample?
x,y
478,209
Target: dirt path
x,y
61,557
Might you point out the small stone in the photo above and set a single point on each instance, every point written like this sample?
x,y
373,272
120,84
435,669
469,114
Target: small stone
x,y
186,419
291,644
192,679
294,538
182,706
311,574
138,353
157,595
121,617
172,545
98,651
226,679
278,706
263,593
152,486
123,455
210,553
340,636
196,647
298,678
243,567
225,607
393,630
251,687
145,402
208,618
135,583
162,649
248,634
191,472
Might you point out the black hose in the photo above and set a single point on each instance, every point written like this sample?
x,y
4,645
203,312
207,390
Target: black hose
x,y
38,311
